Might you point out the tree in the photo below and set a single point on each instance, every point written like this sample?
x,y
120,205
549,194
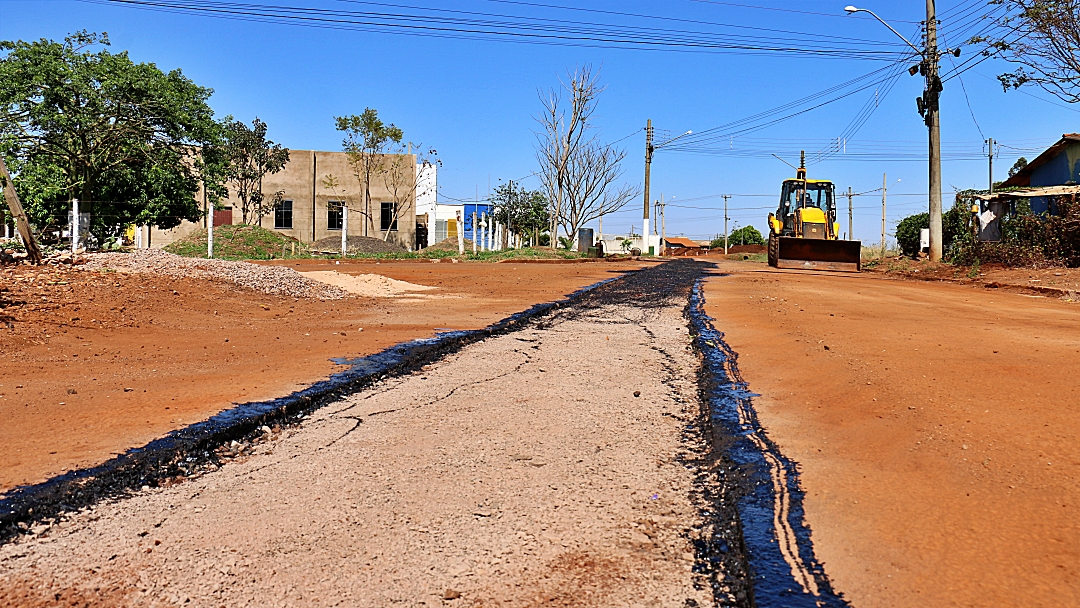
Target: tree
x,y
747,235
119,136
565,129
366,140
591,190
402,175
1043,38
522,211
250,158
1018,166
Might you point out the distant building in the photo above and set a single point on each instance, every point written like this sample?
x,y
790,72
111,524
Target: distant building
x,y
1059,165
311,211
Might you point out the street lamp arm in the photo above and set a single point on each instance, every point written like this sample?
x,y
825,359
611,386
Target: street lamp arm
x,y
658,146
851,10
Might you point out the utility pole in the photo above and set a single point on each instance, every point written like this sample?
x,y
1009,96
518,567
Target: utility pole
x,y
884,192
33,253
661,206
656,210
990,155
726,197
928,108
933,123
850,229
648,170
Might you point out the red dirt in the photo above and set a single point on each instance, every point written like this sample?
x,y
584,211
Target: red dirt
x,y
1051,281
936,433
106,361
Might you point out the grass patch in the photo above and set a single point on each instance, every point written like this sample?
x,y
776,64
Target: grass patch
x,y
241,242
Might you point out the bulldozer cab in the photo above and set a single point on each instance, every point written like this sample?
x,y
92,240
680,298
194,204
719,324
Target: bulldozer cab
x,y
805,194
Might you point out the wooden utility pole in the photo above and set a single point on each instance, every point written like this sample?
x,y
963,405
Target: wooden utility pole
x,y
933,123
33,253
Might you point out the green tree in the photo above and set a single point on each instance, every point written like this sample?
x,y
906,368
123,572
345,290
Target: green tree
x,y
1018,166
250,157
747,235
367,139
523,211
120,136
1042,37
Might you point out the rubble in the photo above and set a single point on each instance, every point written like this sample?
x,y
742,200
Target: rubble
x,y
273,280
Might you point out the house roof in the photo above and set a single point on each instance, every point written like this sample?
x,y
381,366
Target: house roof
x,y
1029,193
678,241
1023,176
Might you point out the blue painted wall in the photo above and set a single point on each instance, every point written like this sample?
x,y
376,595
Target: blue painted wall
x,y
469,209
1065,167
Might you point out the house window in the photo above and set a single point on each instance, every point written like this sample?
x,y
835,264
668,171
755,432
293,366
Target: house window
x,y
283,215
388,217
333,215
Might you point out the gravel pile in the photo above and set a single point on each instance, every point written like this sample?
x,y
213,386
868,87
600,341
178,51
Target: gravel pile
x,y
357,244
451,244
274,280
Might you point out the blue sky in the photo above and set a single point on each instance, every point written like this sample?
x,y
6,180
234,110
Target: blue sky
x,y
474,100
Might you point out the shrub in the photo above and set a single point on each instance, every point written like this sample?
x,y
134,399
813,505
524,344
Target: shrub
x,y
908,232
1028,239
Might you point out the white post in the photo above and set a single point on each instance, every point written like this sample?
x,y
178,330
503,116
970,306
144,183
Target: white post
x,y
433,225
496,241
474,232
460,235
483,232
344,229
209,230
74,226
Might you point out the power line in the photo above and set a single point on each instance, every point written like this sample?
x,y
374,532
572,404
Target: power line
x,y
446,23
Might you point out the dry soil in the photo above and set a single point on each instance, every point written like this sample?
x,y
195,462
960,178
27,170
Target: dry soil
x,y
94,363
935,426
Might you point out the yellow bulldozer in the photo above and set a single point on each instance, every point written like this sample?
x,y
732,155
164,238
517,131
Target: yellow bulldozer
x,y
804,233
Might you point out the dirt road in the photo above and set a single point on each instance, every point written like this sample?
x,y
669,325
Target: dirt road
x,y
935,427
94,363
544,467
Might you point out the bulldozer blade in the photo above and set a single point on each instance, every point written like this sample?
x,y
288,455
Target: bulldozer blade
x,y
815,254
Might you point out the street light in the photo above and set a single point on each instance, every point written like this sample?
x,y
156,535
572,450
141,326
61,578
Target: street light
x,y
852,10
929,109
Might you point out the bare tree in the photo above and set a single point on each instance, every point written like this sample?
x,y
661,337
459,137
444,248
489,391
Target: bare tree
x,y
591,189
402,176
1043,37
565,129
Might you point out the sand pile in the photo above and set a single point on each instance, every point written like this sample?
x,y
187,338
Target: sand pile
x,y
369,285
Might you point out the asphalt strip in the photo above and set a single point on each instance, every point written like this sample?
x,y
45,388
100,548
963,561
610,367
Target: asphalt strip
x,y
191,450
